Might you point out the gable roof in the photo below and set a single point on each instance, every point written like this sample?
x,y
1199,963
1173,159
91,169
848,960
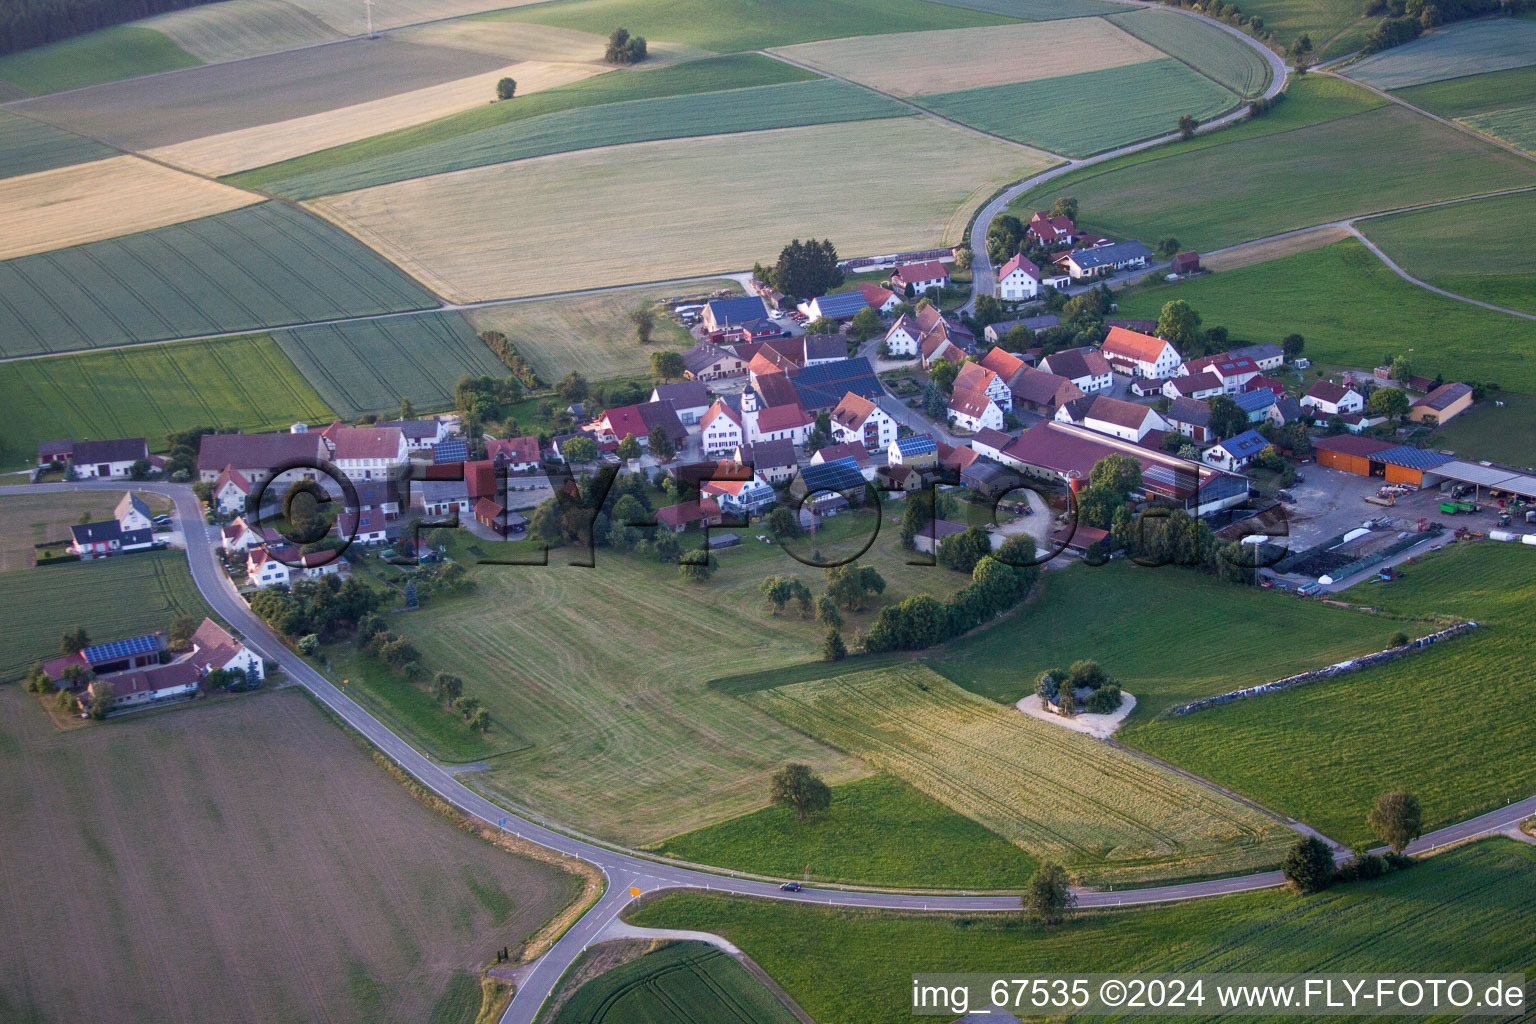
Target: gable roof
x,y
823,346
663,415
721,408
1224,365
737,310
1074,363
1205,380
1133,345
418,430
1002,362
624,421
853,410
131,503
263,452
362,442
847,450
683,394
1042,387
972,402
50,451
927,270
973,376
455,449
1108,255
1328,391
1444,395
96,533
513,449
1019,262
1189,410
841,304
991,438
1240,446
1352,444
824,385
231,475
687,512
834,475
916,444
783,417
771,454
1261,350
875,295
1254,401
122,449
1118,411
703,355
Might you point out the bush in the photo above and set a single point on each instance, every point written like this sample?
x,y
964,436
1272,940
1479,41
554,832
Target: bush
x,y
1400,639
1308,865
1104,700
309,645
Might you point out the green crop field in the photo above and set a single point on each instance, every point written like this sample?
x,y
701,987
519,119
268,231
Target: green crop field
x,y
682,983
1453,51
1431,245
1109,816
151,391
734,25
1258,186
1211,51
27,520
1130,103
1499,103
736,71
852,842
128,595
1497,433
1037,10
369,365
672,117
261,266
28,146
1394,726
106,55
1466,907
1515,125
1321,19
1352,309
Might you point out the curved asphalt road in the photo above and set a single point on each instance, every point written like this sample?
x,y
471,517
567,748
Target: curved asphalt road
x,y
624,871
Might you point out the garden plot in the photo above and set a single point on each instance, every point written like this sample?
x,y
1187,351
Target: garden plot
x,y
117,196
236,29
165,109
910,64
1213,52
486,233
265,144
1468,48
1105,814
28,146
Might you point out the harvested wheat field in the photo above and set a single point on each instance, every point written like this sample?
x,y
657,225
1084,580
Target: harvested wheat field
x,y
104,199
1273,249
911,64
235,29
487,232
518,40
242,150
1109,816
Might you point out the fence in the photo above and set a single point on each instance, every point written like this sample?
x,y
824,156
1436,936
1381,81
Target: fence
x,y
1342,668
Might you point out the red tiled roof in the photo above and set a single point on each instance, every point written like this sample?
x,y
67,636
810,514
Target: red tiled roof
x,y
515,449
1002,362
232,475
973,377
1327,391
624,421
362,442
1133,345
1352,444
875,295
970,403
782,417
852,411
928,270
1117,411
1019,262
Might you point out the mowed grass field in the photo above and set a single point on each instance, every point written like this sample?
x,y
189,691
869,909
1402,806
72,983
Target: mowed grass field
x,y
1351,308
878,184
236,29
28,146
851,842
243,858
112,598
1252,187
682,983
1452,51
1431,245
1499,103
1391,727
1467,907
966,58
27,520
1332,24
756,108
728,26
122,51
370,365
150,392
1497,433
1129,103
261,266
1107,815
88,202
738,71
1211,51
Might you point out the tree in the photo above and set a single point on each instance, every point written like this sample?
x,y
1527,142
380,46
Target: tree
x,y
1308,865
1178,324
964,257
850,585
629,448
661,443
139,470
796,786
1168,247
407,409
1389,402
624,48
447,687
309,645
776,591
466,705
961,551
935,402
76,676
1088,673
1187,126
74,640
827,613
644,320
943,375
506,89
834,649
1049,894
479,720
867,323
1292,344
667,365
579,450
1227,417
1401,369
823,325
182,628
67,703
1302,55
781,523
1066,699
1066,206
1118,474
1396,819
102,698
695,572
1399,639
806,269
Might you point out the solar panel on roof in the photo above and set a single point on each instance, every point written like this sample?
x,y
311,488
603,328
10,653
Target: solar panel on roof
x,y
115,649
916,444
450,451
1412,458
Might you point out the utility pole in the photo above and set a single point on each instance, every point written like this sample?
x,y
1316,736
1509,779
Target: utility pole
x,y
368,5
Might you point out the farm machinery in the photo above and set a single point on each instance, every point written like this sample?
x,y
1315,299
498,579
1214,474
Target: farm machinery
x,y
1451,508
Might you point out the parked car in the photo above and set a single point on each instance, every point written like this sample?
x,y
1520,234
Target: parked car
x,y
791,887
161,520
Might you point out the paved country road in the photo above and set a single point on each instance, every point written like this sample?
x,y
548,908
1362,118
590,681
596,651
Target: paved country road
x,y
625,871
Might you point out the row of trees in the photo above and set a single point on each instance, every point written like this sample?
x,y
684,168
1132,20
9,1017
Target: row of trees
x,y
402,656
998,582
1396,819
513,360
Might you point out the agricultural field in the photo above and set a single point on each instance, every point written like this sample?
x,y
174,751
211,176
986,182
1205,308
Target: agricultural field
x,y
1215,53
264,265
1336,26
1037,10
628,741
1499,103
104,199
1131,103
166,109
149,392
1262,252
851,842
729,26
674,117
917,182
1391,727
1431,245
241,150
350,19
27,520
1497,433
1251,187
323,892
1453,51
299,177
1352,309
840,963
590,334
368,366
28,146
968,58
1105,814
681,983
1130,619
122,51
129,595
236,29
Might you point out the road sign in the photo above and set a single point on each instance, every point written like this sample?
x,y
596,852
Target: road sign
x,y
501,823
633,891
